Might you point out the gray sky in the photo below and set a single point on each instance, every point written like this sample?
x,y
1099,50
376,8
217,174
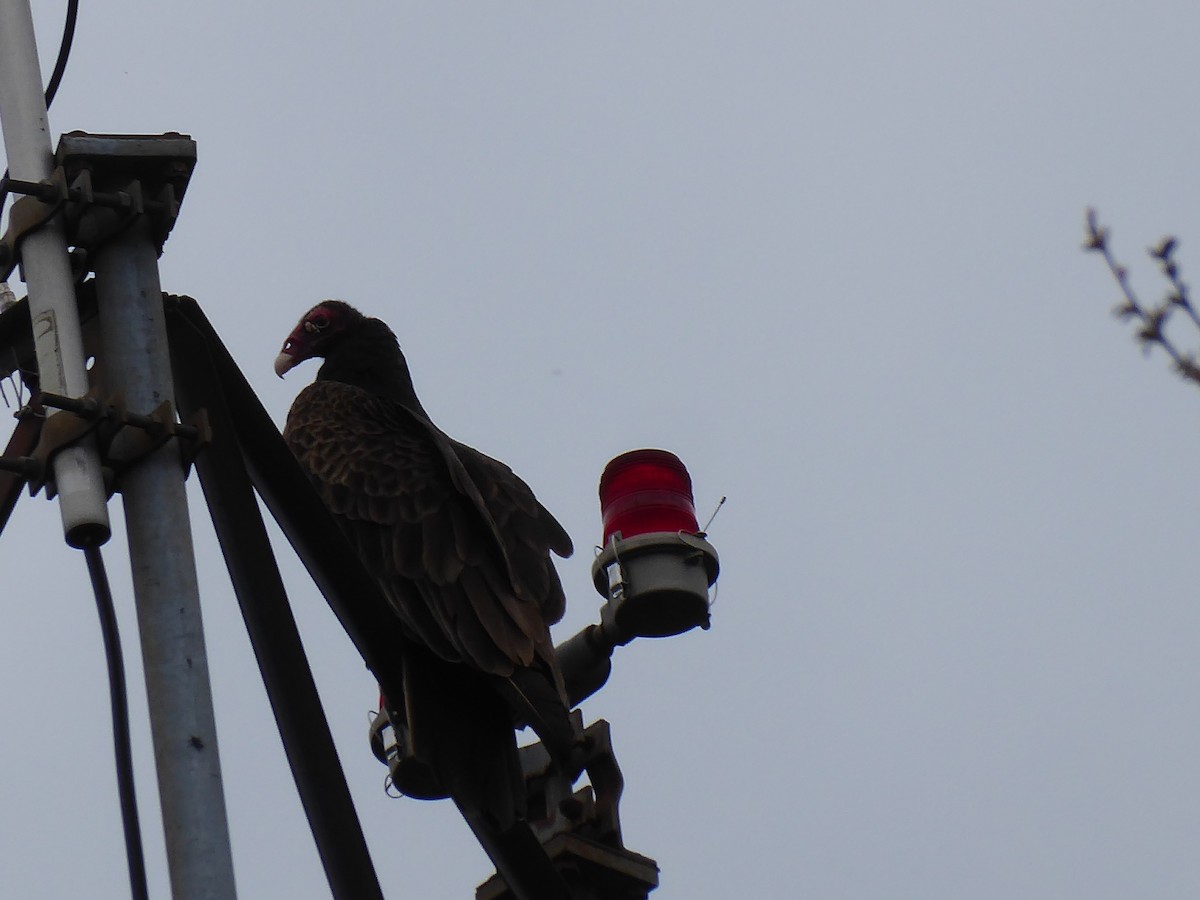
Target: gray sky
x,y
826,252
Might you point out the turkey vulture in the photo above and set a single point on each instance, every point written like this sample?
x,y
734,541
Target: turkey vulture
x,y
458,544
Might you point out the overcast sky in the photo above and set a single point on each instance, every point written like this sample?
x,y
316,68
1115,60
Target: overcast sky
x,y
828,253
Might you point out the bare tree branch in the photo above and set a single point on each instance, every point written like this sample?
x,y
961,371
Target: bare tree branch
x,y
1151,320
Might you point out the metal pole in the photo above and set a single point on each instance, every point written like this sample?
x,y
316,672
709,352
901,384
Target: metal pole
x,y
135,362
47,271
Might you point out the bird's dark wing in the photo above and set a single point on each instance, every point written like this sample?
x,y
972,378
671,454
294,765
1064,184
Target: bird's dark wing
x,y
528,529
456,552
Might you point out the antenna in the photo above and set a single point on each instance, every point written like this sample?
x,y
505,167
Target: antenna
x,y
47,269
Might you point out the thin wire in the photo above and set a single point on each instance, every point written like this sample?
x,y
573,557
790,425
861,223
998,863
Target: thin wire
x,y
60,66
120,719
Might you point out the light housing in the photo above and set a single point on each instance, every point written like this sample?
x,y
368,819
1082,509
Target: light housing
x,y
655,566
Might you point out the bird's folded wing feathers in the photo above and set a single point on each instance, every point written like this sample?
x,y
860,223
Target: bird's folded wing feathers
x,y
466,567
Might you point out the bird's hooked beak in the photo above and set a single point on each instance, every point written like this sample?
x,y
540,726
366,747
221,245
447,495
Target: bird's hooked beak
x,y
286,358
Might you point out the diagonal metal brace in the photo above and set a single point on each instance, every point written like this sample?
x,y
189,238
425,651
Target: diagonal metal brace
x,y
14,464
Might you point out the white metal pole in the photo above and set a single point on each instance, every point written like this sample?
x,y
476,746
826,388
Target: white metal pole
x,y
47,272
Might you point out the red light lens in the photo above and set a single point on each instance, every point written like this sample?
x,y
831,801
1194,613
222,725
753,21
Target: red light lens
x,y
646,491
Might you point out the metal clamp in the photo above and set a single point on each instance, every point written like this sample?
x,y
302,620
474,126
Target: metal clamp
x,y
70,190
41,204
124,437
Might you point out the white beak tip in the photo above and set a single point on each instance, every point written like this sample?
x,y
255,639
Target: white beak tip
x,y
283,362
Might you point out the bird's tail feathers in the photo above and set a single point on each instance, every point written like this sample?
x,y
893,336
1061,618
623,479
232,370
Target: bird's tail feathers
x,y
463,731
536,702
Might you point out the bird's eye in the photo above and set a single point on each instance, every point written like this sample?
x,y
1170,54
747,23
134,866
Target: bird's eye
x,y
315,324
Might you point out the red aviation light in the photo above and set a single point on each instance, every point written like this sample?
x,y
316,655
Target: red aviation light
x,y
646,492
654,568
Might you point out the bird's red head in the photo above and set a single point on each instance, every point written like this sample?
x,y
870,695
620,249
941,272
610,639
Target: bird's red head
x,y
316,333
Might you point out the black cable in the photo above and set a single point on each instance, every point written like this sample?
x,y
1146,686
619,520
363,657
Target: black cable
x,y
60,66
120,721
64,51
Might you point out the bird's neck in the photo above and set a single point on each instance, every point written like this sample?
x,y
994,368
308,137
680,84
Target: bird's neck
x,y
372,360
